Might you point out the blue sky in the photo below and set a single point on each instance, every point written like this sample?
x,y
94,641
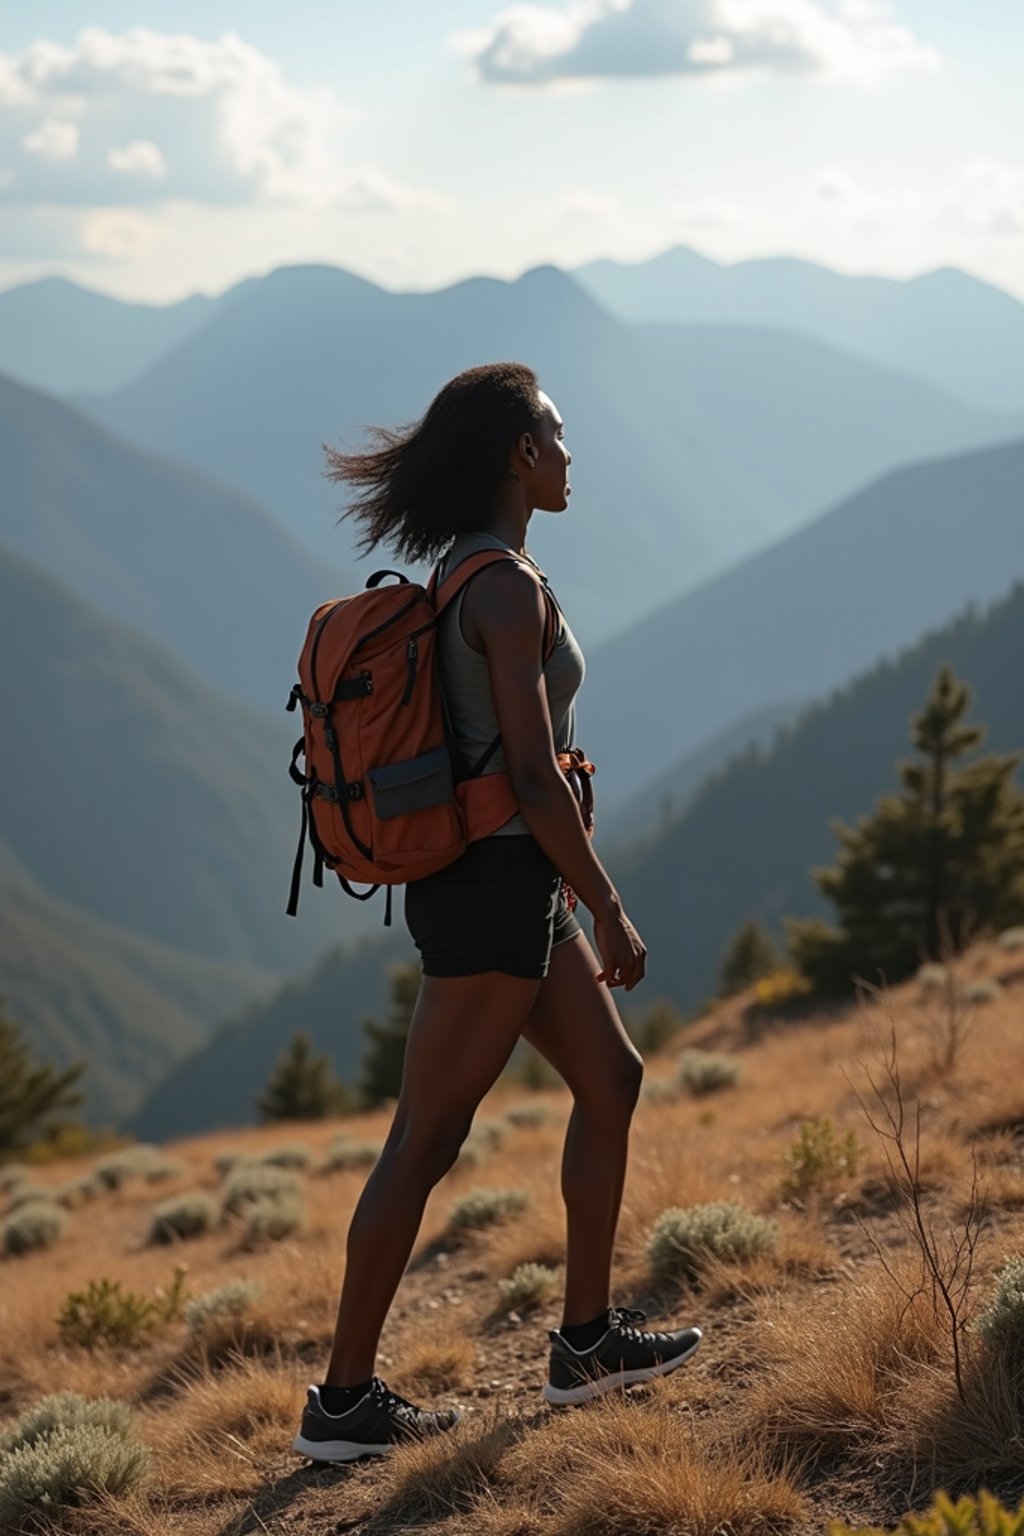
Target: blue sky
x,y
417,144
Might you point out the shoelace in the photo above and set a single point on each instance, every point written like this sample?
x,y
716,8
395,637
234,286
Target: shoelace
x,y
624,1317
388,1399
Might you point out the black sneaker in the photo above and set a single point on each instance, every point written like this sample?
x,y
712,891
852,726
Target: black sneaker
x,y
373,1427
622,1356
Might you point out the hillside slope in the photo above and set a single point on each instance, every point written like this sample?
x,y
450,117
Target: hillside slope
x,y
746,843
133,790
84,990
861,582
198,567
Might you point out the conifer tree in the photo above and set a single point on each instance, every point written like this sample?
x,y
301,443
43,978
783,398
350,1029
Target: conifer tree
x,y
749,955
936,862
32,1095
384,1057
303,1086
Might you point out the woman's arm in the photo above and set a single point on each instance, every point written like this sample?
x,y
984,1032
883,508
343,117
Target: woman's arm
x,y
504,610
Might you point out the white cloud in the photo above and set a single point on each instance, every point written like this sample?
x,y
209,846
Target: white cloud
x,y
52,140
122,234
597,207
856,40
139,158
231,129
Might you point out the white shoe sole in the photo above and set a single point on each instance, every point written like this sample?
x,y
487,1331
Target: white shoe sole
x,y
563,1396
337,1450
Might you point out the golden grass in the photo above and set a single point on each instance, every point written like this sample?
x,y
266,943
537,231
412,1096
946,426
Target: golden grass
x,y
812,1366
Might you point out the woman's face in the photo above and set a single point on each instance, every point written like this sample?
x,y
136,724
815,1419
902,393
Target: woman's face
x,y
545,460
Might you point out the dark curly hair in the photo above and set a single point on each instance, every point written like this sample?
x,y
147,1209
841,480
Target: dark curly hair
x,y
424,484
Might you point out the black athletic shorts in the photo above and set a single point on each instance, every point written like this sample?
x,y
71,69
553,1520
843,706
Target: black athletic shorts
x,y
500,907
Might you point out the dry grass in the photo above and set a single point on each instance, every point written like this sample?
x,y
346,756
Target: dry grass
x,y
817,1391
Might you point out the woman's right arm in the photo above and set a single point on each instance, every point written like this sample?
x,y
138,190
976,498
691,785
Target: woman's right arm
x,y
507,611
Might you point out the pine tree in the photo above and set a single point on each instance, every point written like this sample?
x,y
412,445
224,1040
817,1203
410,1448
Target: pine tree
x,y
749,955
31,1095
937,861
303,1086
384,1057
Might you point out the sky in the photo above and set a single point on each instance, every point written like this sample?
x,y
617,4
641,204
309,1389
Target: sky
x,y
419,143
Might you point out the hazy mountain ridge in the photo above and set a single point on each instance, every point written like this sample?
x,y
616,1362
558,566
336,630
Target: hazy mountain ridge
x,y
201,569
945,326
798,619
136,792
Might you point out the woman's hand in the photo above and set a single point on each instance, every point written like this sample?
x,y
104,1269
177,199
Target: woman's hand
x,y
623,952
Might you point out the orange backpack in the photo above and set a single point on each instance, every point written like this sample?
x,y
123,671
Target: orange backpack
x,y
385,795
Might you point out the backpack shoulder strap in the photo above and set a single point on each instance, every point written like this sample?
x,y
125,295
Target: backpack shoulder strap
x,y
442,593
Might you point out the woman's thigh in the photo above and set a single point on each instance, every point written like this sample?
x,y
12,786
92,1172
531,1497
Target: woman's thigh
x,y
575,1025
462,1034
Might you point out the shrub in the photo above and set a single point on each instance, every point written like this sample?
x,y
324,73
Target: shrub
x,y
490,1132
530,1112
67,1410
105,1313
702,1072
932,977
1011,939
79,1191
528,1286
27,1194
12,1174
270,1219
71,1466
231,1300
818,1160
986,989
32,1226
225,1161
182,1217
682,1241
780,987
164,1168
249,1182
484,1207
659,1090
130,1163
292,1155
343,1153
969,1516
1001,1324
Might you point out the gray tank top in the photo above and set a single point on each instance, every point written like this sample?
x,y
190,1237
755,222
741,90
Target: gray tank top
x,y
467,687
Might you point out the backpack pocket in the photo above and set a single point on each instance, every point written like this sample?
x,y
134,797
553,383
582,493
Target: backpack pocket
x,y
401,789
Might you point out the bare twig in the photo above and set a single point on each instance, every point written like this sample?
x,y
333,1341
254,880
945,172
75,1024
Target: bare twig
x,y
947,1261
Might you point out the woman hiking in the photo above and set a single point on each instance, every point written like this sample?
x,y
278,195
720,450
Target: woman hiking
x,y
502,952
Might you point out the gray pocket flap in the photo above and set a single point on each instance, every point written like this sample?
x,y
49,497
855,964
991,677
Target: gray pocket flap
x,y
412,786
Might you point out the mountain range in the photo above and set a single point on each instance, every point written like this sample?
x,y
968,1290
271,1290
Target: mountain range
x,y
945,326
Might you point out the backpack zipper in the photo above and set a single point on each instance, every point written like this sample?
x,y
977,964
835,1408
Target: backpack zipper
x,y
412,652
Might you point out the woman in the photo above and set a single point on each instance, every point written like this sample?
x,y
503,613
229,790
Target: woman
x,y
502,952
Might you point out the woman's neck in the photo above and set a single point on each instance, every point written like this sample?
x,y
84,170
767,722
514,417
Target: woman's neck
x,y
509,521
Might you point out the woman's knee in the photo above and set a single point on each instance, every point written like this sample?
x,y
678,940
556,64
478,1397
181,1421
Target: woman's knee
x,y
431,1149
613,1094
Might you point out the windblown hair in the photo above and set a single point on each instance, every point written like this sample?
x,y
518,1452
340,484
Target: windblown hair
x,y
437,478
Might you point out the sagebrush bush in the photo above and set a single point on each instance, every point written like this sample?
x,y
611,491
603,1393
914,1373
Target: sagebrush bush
x,y
294,1154
968,1516
681,1241
130,1163
73,1465
182,1217
490,1132
164,1168
660,1090
530,1112
343,1153
106,1313
225,1161
27,1194
12,1174
248,1182
269,1219
481,1208
1001,1324
66,1410
1011,939
932,977
702,1072
529,1286
32,1226
80,1191
233,1299
986,989
819,1160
